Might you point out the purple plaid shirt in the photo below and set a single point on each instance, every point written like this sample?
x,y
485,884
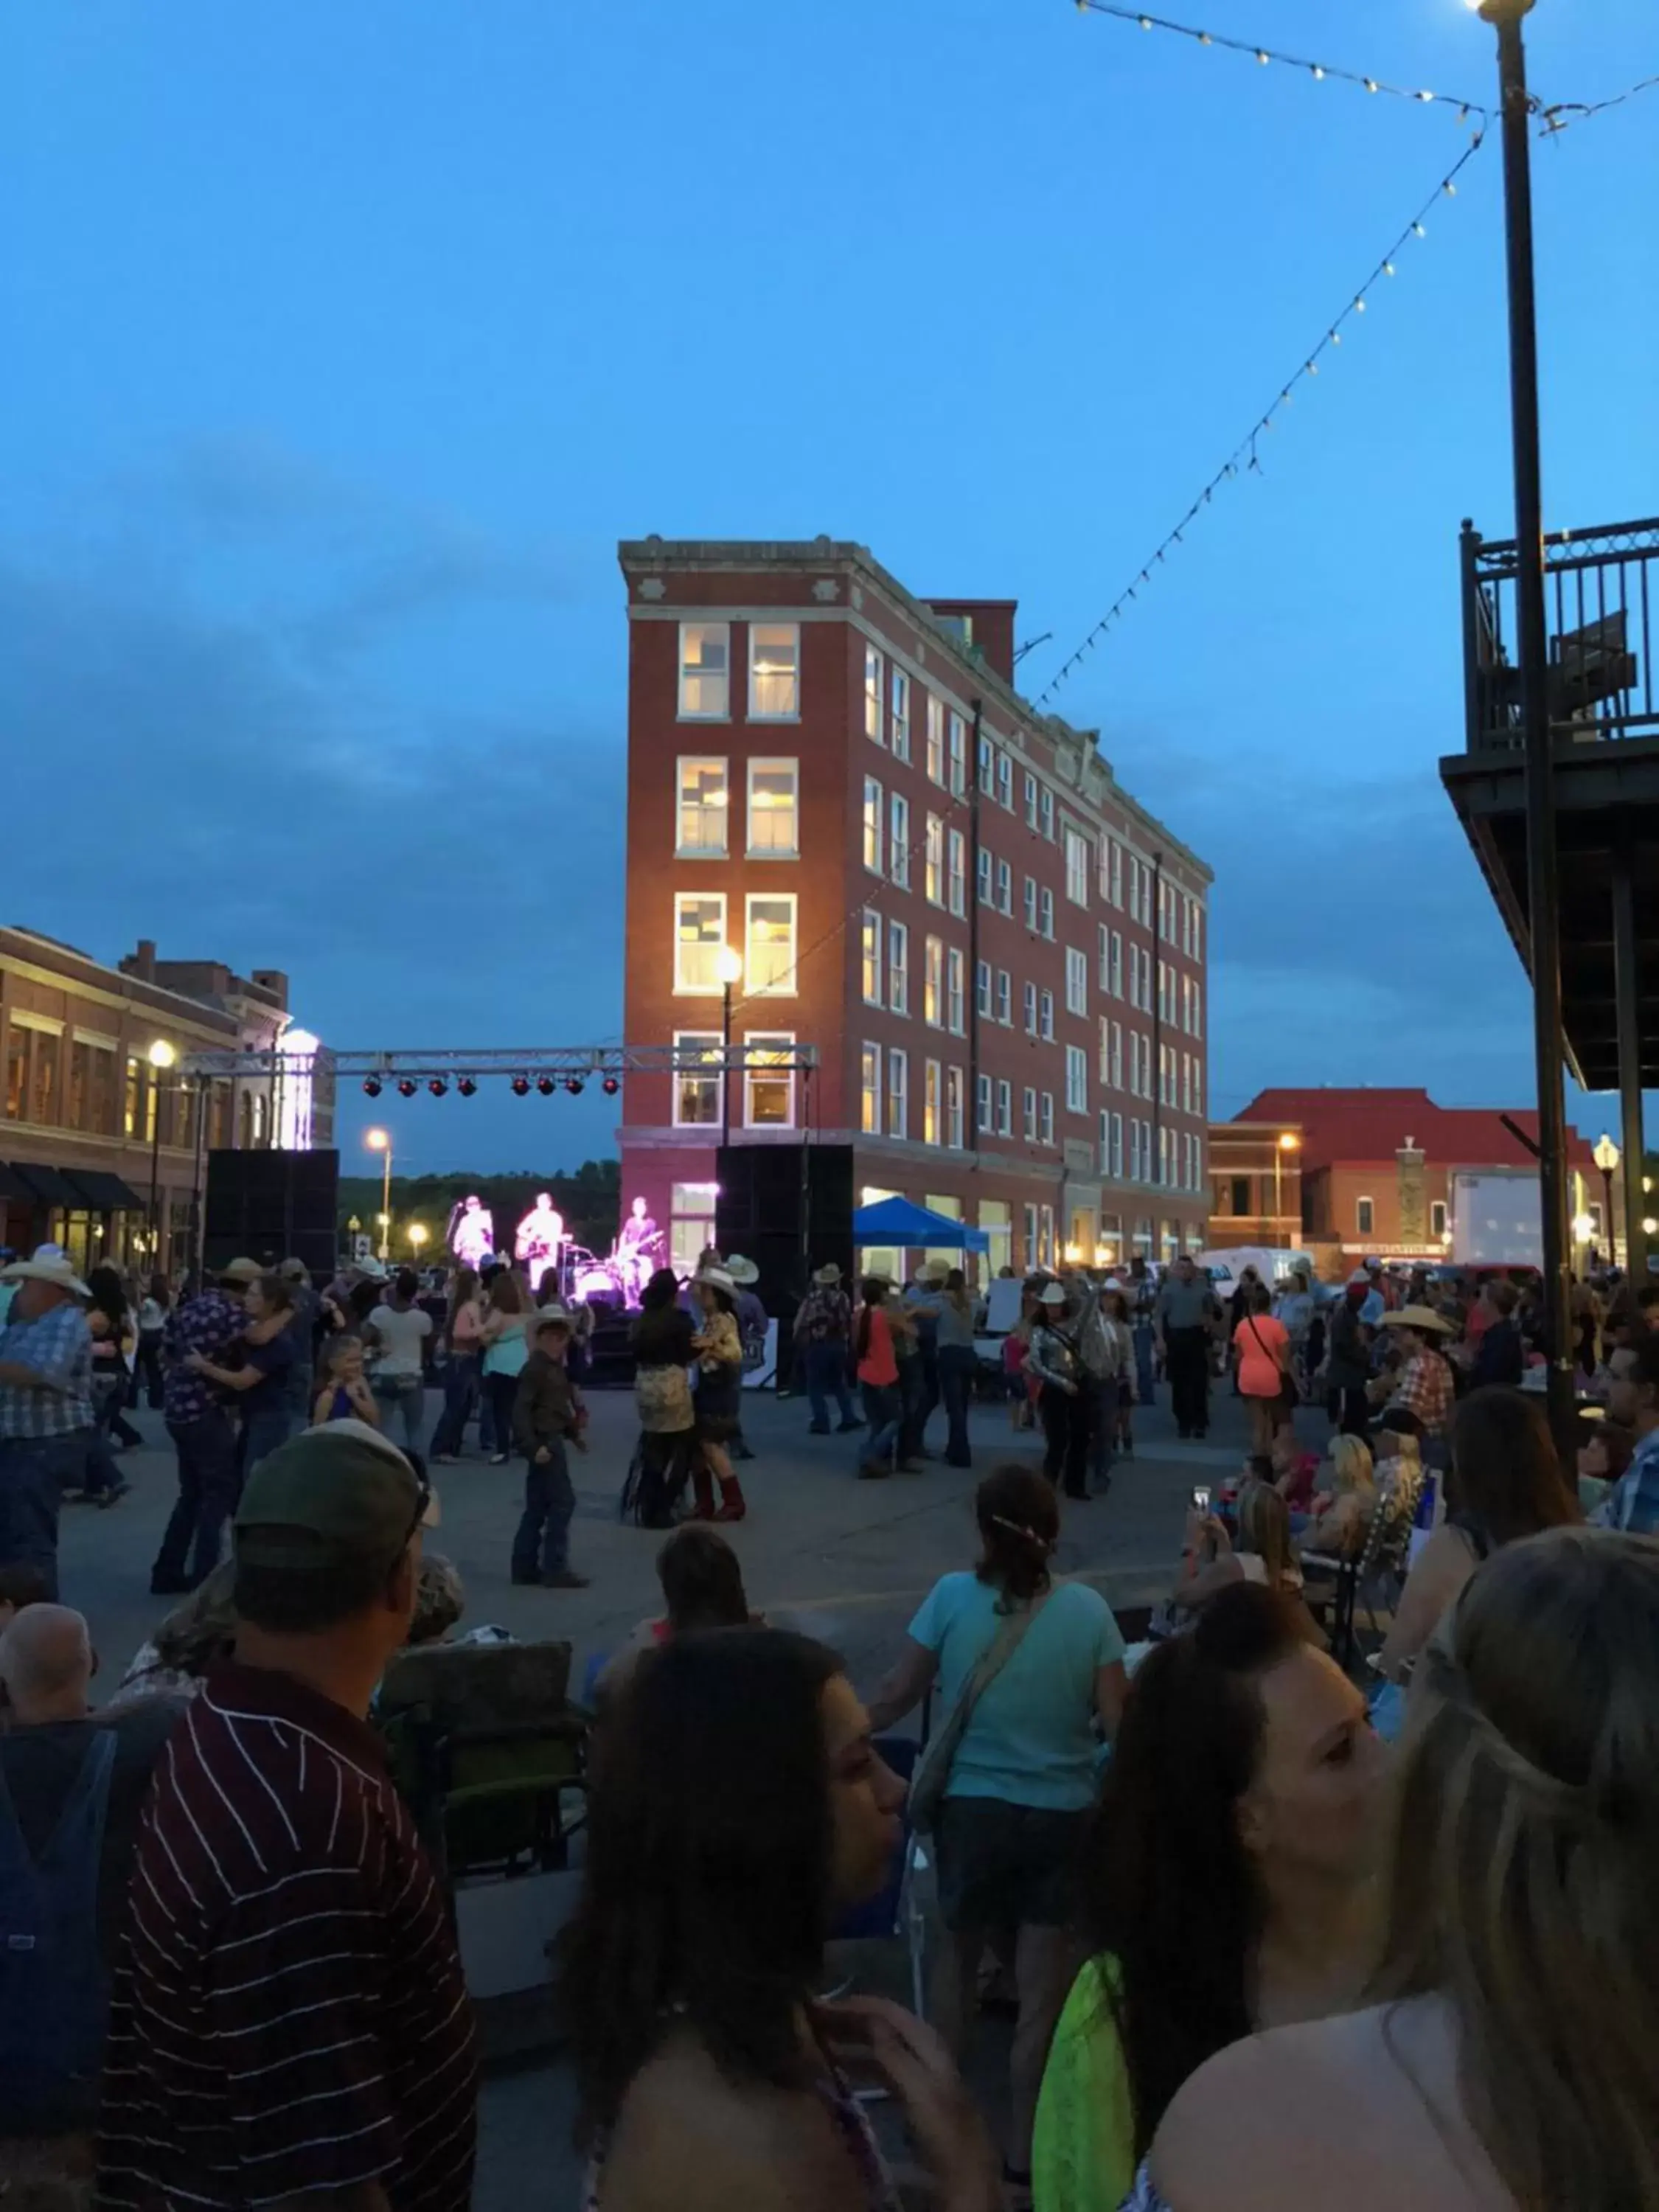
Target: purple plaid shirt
x,y
209,1323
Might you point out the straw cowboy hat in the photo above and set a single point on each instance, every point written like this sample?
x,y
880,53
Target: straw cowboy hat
x,y
1424,1317
1052,1294
56,1268
239,1271
828,1276
717,1277
557,1314
741,1270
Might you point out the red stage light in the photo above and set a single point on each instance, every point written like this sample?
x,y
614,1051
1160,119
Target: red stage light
x,y
521,1086
407,1086
371,1086
573,1086
466,1086
611,1087
437,1087
544,1084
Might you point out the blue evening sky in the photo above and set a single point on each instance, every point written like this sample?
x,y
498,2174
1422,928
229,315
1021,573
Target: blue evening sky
x,y
344,338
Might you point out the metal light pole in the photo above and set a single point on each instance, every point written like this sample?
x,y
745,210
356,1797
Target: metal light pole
x,y
1286,1143
161,1057
1606,1157
1543,890
380,1140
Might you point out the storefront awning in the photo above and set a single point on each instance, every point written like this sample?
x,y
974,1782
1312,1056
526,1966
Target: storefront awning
x,y
13,1188
47,1186
104,1192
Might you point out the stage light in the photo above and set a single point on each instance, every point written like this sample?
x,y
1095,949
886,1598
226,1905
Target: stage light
x,y
437,1087
573,1086
407,1086
371,1086
521,1086
544,1084
611,1087
466,1086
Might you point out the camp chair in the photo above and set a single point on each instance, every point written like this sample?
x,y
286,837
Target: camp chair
x,y
899,1907
1379,1565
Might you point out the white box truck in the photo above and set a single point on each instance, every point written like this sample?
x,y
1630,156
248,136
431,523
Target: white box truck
x,y
1497,1217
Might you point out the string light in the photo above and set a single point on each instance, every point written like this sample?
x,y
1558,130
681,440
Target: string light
x,y
1244,453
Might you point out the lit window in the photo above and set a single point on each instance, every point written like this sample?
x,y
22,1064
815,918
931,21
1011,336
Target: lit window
x,y
1047,901
872,825
1005,997
870,1090
1030,802
1077,868
1028,1120
958,754
898,733
898,1091
982,990
982,873
957,870
953,1105
1046,1017
699,940
1046,1122
898,968
1049,815
932,983
690,1224
1005,783
696,1079
1031,903
1076,1080
774,672
931,1103
774,809
955,968
898,840
702,807
770,932
934,883
1030,1000
1004,1107
873,693
935,739
705,672
768,1083
1076,982
872,959
1005,888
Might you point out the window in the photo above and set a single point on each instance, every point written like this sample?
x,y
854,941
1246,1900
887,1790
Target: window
x,y
898,728
1111,871
995,1219
933,873
873,693
774,672
17,1077
1046,1120
769,929
987,769
1117,1147
1076,1080
1004,1107
982,876
1437,1217
1103,1057
80,1084
954,1088
1076,982
1239,1191
898,968
898,840
1046,1017
1049,815
935,761
1005,783
705,672
1117,1055
1166,991
1030,1004
768,1088
702,807
871,957
931,1103
1115,964
1030,1236
1005,997
1028,1114
872,825
774,809
1103,965
982,990
42,1090
699,940
1047,902
957,870
1005,888
959,755
1030,802
1365,1216
1136,1163
898,1091
982,1108
956,971
698,1079
1031,903
1198,1085
1077,868
870,1090
932,983
691,1224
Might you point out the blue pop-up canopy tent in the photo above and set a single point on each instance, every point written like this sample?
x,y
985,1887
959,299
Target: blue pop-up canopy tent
x,y
899,1221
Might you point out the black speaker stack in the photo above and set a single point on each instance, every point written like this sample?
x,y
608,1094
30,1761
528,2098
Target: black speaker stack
x,y
789,1209
271,1206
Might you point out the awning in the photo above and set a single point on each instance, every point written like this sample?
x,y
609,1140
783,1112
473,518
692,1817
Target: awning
x,y
47,1186
105,1193
900,1221
11,1186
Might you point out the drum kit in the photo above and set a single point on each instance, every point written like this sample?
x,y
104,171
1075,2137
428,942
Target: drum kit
x,y
618,1281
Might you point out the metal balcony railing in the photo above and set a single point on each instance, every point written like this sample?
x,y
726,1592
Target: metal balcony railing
x,y
1600,601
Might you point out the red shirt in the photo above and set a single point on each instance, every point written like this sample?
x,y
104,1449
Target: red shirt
x,y
880,1365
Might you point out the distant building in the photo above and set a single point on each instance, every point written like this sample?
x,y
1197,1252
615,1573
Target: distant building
x,y
1350,1173
998,955
86,1116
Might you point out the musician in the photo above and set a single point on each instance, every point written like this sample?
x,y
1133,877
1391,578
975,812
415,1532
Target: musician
x,y
541,1234
639,1240
471,1233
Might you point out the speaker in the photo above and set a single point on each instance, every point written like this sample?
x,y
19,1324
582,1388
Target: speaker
x,y
271,1206
772,1200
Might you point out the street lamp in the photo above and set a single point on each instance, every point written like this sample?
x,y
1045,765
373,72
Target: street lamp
x,y
380,1140
1288,1142
160,1056
1606,1157
417,1234
728,966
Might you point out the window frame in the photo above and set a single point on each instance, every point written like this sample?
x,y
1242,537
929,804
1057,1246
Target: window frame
x,y
933,758
932,871
1076,1080
681,713
1005,1013
898,1093
933,982
875,696
871,1092
872,957
898,967
1028,1113
956,1109
898,721
682,762
898,840
956,990
756,713
705,1040
711,990
770,763
1365,1216
932,1100
1004,1107
1046,1117
873,826
764,1040
956,873
750,901
1076,843
1077,972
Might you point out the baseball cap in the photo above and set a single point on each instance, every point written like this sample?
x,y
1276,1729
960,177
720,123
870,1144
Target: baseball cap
x,y
341,1491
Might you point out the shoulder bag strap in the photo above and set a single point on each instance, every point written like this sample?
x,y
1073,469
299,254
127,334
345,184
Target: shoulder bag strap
x,y
933,1770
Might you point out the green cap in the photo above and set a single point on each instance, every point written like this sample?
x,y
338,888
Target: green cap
x,y
342,1492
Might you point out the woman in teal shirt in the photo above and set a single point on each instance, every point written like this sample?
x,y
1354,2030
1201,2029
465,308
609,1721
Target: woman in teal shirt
x,y
1023,1779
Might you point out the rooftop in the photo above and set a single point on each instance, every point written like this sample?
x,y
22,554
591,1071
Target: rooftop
x,y
1370,1125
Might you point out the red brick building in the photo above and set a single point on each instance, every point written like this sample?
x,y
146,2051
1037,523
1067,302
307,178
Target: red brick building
x,y
998,955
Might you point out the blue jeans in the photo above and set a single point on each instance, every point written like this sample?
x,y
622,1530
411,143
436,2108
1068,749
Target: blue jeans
x,y
1103,1401
883,1407
826,1377
958,1365
207,1498
542,1546
262,1433
1144,1376
460,1396
405,1394
34,1473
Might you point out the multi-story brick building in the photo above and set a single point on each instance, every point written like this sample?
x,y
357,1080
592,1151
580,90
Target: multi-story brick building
x,y
999,956
88,1120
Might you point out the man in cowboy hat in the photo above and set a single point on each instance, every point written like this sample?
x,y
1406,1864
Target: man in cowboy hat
x,y
1423,1385
202,1425
824,1329
46,1423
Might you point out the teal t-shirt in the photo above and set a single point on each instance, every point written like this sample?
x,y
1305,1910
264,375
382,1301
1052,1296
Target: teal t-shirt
x,y
1031,1739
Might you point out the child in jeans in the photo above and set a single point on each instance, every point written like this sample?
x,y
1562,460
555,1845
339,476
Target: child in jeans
x,y
547,1414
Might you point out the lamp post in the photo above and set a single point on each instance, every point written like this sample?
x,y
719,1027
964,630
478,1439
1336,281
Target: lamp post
x,y
1606,1157
380,1140
1288,1142
417,1233
161,1057
728,968
1543,890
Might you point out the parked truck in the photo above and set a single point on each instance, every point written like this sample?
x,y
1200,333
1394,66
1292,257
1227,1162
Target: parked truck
x,y
1497,1217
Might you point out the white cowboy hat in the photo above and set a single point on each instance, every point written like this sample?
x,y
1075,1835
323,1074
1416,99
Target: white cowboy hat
x,y
1420,1317
237,1271
716,1276
57,1270
558,1311
827,1275
741,1270
1052,1294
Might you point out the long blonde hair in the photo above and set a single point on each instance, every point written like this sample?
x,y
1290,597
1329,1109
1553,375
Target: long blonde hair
x,y
1352,1467
1522,1891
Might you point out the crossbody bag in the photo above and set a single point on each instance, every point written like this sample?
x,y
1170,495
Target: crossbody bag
x,y
933,1772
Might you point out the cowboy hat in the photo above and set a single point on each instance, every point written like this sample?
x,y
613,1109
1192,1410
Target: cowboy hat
x,y
827,1274
741,1270
936,1271
717,1277
556,1315
239,1271
1052,1294
59,1271
1420,1317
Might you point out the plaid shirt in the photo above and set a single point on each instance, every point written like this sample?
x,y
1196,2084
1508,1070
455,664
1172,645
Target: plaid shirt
x,y
209,1323
825,1317
1425,1387
1632,1504
59,1348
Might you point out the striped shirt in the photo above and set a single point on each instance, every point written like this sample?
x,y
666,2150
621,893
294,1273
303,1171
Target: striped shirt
x,y
289,2012
58,1347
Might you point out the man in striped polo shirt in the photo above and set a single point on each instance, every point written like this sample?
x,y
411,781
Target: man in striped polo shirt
x,y
288,2015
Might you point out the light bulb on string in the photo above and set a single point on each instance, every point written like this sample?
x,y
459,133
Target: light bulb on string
x,y
1388,268
1263,56
1319,74
1359,305
1419,230
1370,84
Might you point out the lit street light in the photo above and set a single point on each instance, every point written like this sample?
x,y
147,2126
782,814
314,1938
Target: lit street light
x,y
160,1056
1606,1157
417,1233
1288,1142
380,1140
